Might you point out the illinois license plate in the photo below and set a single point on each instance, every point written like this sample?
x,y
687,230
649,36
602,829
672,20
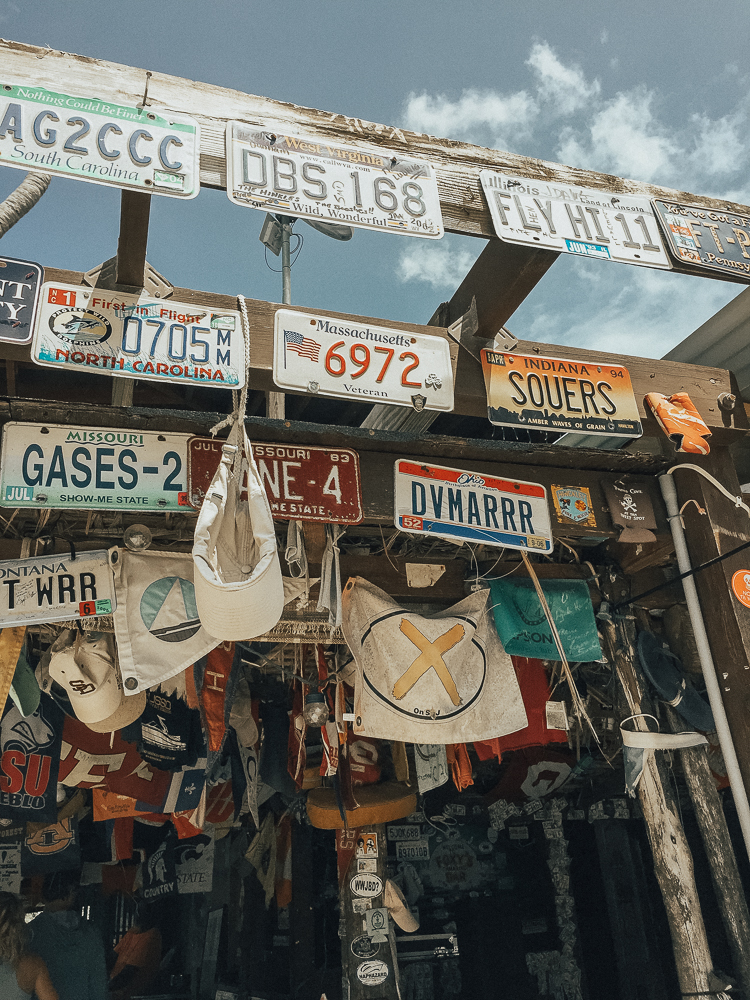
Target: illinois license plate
x,y
56,588
98,141
473,507
100,468
367,364
297,175
302,482
571,219
20,283
711,241
138,336
557,394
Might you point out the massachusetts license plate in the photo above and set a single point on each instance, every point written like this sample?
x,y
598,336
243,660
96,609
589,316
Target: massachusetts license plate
x,y
472,507
368,364
557,394
56,588
94,140
570,219
138,336
100,468
20,282
294,174
303,483
711,241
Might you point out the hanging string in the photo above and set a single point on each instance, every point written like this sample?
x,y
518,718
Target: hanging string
x,y
239,399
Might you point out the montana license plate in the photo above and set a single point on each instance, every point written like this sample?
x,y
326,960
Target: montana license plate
x,y
297,175
99,468
56,588
98,141
362,362
138,336
571,219
471,507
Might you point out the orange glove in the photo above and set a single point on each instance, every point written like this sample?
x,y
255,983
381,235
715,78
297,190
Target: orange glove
x,y
681,422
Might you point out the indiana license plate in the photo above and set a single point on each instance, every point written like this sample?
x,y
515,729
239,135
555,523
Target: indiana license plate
x,y
302,482
293,174
358,361
99,468
98,141
56,588
558,394
577,220
138,336
710,241
470,506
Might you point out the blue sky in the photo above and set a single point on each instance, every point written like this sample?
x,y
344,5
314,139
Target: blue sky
x,y
656,92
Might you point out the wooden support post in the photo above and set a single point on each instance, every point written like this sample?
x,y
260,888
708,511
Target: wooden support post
x,y
302,916
723,527
135,209
673,862
352,928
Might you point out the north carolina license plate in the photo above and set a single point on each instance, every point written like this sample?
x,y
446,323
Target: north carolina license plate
x,y
571,219
358,361
302,482
101,468
94,140
138,336
297,175
557,394
712,241
56,588
470,506
20,283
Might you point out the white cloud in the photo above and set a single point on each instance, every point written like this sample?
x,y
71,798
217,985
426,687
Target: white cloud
x,y
625,138
720,145
604,36
438,265
564,86
475,112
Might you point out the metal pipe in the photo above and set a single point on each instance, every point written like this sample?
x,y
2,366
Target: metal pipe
x,y
737,784
286,261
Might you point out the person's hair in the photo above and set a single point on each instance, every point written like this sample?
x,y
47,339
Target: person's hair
x,y
13,932
59,885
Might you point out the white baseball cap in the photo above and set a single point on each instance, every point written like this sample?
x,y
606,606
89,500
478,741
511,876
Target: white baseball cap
x,y
85,666
238,587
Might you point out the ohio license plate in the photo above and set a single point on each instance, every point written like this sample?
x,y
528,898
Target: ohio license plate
x,y
105,143
297,175
303,483
711,241
470,506
138,336
557,394
571,219
368,364
20,282
100,468
56,588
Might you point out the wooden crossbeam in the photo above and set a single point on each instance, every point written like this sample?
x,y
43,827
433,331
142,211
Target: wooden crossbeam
x,y
457,164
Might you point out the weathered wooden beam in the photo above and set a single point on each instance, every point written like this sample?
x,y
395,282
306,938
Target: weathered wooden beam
x,y
457,163
648,375
135,209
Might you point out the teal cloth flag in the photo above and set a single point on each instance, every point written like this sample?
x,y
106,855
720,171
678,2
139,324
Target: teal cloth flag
x,y
522,625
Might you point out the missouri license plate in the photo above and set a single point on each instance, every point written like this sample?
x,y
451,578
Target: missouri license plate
x,y
99,468
570,219
559,394
137,336
471,507
293,174
302,482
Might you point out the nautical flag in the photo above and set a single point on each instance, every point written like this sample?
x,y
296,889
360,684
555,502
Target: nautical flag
x,y
306,347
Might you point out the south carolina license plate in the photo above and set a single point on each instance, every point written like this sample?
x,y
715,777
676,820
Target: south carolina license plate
x,y
100,468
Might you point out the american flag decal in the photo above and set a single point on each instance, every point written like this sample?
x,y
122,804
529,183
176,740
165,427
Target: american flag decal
x,y
304,346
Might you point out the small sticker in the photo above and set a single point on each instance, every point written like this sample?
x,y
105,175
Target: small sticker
x,y
87,609
166,180
573,503
518,832
367,865
455,809
531,807
364,947
741,586
576,814
557,716
222,322
366,885
361,905
367,845
183,500
372,973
